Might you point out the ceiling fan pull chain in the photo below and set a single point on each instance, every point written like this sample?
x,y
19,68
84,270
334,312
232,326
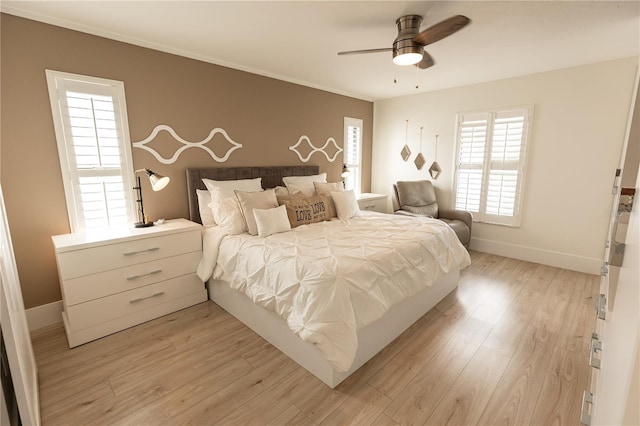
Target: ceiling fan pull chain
x,y
417,75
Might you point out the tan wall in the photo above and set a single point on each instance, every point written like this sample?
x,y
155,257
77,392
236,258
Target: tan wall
x,y
265,115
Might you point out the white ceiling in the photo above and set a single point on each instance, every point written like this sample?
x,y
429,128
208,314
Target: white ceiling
x,y
297,41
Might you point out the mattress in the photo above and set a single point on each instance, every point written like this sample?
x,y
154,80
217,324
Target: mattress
x,y
328,279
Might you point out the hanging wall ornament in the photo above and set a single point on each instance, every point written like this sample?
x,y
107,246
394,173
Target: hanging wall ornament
x,y
420,161
406,152
435,169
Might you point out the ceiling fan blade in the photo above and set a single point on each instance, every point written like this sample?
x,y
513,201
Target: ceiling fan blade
x,y
357,52
426,62
441,30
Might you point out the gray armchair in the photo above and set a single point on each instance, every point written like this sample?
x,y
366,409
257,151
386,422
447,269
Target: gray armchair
x,y
418,198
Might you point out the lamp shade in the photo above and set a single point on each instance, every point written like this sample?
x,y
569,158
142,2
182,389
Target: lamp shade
x,y
158,182
345,171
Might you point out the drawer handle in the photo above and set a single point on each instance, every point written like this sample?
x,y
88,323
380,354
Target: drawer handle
x,y
140,299
135,277
601,306
370,206
585,417
131,253
595,346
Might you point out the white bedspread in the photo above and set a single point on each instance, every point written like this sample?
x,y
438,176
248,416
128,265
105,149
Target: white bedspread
x,y
330,278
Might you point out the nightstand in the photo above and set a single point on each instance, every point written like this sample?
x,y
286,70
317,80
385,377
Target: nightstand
x,y
372,202
112,280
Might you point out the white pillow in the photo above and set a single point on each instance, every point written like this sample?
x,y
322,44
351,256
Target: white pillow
x,y
227,213
206,214
303,184
346,204
281,190
327,188
226,188
255,200
271,221
229,216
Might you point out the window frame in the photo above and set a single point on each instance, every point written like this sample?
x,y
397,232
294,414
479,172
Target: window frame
x,y
57,82
482,215
355,179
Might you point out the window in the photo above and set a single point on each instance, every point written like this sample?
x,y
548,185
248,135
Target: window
x,y
491,148
92,131
353,152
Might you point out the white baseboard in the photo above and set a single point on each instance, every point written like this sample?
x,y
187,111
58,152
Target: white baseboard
x,y
44,315
544,257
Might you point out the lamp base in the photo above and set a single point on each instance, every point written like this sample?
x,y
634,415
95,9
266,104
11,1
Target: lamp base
x,y
143,224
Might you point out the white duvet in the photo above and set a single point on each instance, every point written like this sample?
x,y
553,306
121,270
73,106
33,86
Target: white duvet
x,y
328,279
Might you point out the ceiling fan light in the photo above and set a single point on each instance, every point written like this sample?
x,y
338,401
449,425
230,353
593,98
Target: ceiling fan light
x,y
407,55
407,59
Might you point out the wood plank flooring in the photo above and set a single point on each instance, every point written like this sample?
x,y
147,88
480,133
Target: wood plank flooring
x,y
509,346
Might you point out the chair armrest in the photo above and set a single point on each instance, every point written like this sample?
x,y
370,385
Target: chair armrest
x,y
457,215
406,213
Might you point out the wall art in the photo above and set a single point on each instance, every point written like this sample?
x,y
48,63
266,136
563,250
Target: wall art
x,y
187,144
406,152
315,149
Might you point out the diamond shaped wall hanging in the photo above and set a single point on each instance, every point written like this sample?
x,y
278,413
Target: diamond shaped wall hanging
x,y
435,169
420,161
406,152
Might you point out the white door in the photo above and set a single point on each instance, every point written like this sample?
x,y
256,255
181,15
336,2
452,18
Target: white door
x,y
15,332
621,338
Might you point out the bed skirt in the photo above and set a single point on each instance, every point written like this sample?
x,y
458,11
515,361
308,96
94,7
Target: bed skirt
x,y
371,338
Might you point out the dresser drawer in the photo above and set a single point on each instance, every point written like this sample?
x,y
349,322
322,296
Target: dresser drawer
x,y
77,263
82,289
105,309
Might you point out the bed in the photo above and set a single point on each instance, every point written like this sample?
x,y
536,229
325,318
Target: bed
x,y
375,321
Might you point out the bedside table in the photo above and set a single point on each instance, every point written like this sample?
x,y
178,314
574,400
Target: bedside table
x,y
112,280
372,202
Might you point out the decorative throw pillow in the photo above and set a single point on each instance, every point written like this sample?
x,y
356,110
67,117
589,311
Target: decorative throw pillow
x,y
224,204
303,184
303,211
281,190
326,189
255,200
229,216
271,221
346,204
206,214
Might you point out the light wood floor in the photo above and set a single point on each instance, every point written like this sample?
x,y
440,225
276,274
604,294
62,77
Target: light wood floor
x,y
509,346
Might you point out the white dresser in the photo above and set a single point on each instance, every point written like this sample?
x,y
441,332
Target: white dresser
x,y
115,279
373,202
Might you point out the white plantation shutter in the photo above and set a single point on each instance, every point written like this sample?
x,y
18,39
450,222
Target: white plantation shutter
x,y
94,149
490,164
353,152
472,135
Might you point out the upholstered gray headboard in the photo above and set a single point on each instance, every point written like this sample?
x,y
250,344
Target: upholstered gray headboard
x,y
271,177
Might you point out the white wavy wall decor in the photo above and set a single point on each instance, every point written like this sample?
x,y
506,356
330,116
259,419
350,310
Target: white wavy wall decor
x,y
315,149
187,144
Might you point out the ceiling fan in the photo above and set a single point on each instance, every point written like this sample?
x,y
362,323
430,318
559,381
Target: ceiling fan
x,y
408,47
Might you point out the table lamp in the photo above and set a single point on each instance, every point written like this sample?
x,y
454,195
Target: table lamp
x,y
158,182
